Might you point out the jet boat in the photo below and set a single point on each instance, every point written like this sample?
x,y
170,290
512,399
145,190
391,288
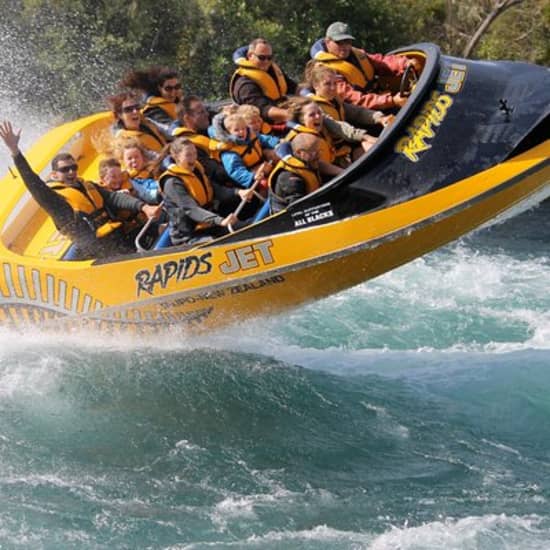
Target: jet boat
x,y
471,143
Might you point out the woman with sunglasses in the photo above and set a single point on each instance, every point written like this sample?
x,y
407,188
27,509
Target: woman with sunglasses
x,y
130,123
259,81
163,92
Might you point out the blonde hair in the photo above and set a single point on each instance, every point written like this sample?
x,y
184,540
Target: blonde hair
x,y
234,118
249,112
122,143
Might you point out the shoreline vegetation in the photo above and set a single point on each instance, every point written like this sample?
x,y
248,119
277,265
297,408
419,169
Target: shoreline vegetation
x,y
65,57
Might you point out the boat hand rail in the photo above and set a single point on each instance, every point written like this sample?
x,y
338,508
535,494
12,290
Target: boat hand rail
x,y
142,232
260,173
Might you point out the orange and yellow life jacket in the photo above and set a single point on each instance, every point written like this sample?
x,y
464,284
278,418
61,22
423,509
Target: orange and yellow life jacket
x,y
251,153
327,152
87,200
273,82
199,141
298,167
358,75
195,181
169,107
147,135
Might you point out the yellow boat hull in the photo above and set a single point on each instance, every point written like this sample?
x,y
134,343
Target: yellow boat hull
x,y
228,282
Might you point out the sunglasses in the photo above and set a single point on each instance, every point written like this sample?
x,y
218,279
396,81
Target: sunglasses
x,y
68,168
264,57
130,108
172,88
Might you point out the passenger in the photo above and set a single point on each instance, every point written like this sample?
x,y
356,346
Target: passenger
x,y
139,171
79,209
259,81
254,120
193,122
131,123
307,117
296,174
322,84
189,198
112,177
358,70
242,152
163,93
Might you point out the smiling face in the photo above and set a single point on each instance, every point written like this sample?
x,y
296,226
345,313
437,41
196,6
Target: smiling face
x,y
130,114
112,178
186,156
236,126
66,171
312,117
326,85
170,89
133,159
340,48
261,57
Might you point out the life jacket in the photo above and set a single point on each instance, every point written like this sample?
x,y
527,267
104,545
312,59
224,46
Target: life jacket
x,y
358,75
251,152
334,109
198,140
152,102
87,201
272,82
296,166
195,181
147,135
144,173
327,151
130,219
266,128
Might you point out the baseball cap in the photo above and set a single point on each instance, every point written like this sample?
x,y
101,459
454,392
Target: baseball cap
x,y
339,31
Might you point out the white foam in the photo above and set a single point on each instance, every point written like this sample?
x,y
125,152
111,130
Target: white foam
x,y
488,532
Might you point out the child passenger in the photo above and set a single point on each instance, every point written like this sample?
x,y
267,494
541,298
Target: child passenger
x,y
192,201
139,171
242,151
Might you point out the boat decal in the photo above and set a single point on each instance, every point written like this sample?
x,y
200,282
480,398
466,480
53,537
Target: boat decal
x,y
9,281
33,293
256,285
23,282
452,77
86,304
35,274
313,214
247,257
423,126
184,269
62,293
50,281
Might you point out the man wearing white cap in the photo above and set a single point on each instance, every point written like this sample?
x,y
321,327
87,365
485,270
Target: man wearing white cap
x,y
358,70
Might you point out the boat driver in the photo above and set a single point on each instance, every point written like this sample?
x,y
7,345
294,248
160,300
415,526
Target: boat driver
x,y
358,71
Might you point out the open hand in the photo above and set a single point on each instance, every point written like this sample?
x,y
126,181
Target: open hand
x,y
10,138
